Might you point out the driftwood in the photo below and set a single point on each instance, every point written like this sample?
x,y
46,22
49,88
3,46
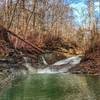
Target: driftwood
x,y
4,34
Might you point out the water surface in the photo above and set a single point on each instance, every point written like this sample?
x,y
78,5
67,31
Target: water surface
x,y
53,87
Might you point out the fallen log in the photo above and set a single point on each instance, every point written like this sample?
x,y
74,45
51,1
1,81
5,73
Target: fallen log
x,y
4,33
33,46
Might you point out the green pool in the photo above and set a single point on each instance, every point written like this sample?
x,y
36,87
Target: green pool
x,y
53,87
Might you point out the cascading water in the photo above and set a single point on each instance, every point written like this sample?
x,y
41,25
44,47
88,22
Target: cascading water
x,y
72,60
28,65
44,61
61,66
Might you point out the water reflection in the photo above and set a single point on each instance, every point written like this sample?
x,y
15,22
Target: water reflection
x,y
54,87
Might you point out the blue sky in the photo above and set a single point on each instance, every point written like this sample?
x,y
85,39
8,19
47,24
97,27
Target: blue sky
x,y
75,1
80,9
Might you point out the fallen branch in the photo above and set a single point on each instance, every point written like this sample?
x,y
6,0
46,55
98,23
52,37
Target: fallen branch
x,y
5,31
33,46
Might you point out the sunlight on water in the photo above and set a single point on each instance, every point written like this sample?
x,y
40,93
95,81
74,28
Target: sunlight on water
x,y
54,87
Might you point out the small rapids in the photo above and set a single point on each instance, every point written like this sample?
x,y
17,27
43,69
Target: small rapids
x,y
61,66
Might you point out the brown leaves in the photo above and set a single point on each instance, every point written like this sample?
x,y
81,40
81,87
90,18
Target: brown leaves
x,y
91,62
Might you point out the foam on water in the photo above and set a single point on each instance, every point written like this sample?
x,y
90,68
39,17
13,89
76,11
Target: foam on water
x,y
68,63
28,65
72,60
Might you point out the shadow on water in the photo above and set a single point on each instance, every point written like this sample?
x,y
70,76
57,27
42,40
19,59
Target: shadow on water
x,y
54,87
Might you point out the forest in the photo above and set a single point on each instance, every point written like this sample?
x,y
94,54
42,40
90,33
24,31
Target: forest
x,y
53,29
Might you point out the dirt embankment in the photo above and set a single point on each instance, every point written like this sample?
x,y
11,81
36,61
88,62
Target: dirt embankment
x,y
90,64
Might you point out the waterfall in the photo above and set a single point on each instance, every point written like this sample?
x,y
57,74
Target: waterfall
x,y
28,65
72,60
64,65
61,66
44,61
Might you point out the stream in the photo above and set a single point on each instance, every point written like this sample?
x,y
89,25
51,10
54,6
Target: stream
x,y
53,83
62,66
53,87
